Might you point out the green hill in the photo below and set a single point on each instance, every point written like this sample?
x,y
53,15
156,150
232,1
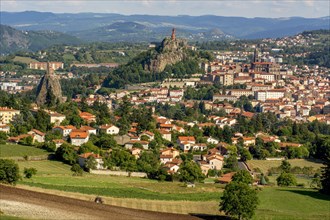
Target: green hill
x,y
12,40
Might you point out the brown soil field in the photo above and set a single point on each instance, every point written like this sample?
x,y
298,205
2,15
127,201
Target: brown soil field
x,y
36,205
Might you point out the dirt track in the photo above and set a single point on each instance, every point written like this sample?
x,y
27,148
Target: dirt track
x,y
36,205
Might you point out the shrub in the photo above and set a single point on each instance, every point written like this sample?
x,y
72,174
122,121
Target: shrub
x,y
77,170
29,172
286,179
9,171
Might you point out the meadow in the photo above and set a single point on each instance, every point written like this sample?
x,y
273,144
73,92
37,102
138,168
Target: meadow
x,y
16,150
264,165
26,60
140,193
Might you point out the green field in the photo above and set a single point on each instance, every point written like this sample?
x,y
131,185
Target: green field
x,y
16,150
275,202
264,165
26,60
292,203
55,175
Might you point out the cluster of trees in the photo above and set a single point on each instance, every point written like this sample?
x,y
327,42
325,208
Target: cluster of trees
x,y
183,69
286,178
240,199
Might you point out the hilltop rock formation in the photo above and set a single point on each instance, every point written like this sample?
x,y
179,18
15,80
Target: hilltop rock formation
x,y
170,51
49,90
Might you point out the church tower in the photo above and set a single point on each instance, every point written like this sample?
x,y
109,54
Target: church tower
x,y
256,55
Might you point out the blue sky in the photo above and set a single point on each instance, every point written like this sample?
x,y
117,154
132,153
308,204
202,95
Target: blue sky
x,y
247,8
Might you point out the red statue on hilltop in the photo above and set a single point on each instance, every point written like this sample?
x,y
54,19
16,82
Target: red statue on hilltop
x,y
173,34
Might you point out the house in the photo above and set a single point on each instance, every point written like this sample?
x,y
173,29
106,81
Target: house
x,y
171,167
38,135
284,145
109,129
199,147
7,114
168,155
205,167
136,152
99,161
226,178
215,161
4,128
64,130
78,137
58,142
186,142
166,127
188,139
165,158
129,145
88,117
149,134
212,140
19,137
246,140
56,118
88,129
166,135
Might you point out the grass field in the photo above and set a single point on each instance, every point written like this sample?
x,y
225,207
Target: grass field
x,y
275,202
26,60
264,165
55,175
16,150
292,203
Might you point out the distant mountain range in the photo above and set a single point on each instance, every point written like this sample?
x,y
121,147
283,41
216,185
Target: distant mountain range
x,y
117,27
12,40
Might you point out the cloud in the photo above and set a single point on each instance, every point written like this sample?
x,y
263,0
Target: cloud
x,y
309,3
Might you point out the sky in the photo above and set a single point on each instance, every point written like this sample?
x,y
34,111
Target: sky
x,y
242,8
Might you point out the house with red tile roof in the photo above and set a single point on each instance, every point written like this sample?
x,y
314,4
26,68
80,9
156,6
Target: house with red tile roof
x,y
38,135
226,178
88,117
79,137
99,161
64,130
129,145
109,129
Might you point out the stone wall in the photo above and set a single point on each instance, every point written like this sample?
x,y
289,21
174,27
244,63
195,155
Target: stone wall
x,y
118,173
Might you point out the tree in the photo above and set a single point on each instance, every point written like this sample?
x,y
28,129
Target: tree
x,y
286,179
263,180
90,163
9,171
66,154
29,172
231,162
189,171
325,178
3,137
26,141
243,176
285,166
239,200
88,147
245,154
77,170
149,163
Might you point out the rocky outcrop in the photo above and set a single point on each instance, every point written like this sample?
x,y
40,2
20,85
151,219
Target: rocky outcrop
x,y
49,89
169,52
